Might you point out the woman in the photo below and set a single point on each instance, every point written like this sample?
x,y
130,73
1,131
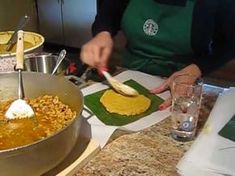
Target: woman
x,y
165,37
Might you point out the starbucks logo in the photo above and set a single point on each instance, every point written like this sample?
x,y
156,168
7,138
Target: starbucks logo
x,y
150,27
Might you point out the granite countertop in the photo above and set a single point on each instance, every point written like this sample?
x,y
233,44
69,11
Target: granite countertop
x,y
150,152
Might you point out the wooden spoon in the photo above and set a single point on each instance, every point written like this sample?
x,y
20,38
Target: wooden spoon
x,y
118,86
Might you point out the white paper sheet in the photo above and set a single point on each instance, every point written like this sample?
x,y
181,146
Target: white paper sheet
x,y
212,154
102,132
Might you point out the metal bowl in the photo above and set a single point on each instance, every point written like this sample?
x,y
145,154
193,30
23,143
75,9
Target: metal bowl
x,y
35,39
45,63
8,60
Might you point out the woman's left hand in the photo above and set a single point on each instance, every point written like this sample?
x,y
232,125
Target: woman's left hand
x,y
167,84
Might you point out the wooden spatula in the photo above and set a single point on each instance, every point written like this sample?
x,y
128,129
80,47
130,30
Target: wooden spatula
x,y
19,108
118,86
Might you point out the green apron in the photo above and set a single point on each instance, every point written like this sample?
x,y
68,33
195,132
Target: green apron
x,y
158,36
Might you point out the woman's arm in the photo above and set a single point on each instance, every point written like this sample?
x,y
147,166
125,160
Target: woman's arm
x,y
96,52
109,17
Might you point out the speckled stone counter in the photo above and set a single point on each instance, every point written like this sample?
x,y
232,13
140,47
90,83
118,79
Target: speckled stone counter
x,y
150,152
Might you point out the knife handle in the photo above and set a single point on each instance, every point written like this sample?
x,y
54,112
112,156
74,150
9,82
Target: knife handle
x,y
23,21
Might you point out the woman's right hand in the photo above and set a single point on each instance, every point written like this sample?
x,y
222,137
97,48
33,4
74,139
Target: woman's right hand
x,y
97,51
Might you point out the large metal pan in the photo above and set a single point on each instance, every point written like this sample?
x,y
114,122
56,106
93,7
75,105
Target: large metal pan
x,y
43,155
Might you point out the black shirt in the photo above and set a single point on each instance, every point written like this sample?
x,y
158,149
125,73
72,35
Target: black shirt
x,y
212,32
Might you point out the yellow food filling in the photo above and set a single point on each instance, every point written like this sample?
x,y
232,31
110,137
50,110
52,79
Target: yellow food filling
x,y
124,105
3,47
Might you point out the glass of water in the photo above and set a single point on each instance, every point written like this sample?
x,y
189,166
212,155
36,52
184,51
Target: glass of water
x,y
186,102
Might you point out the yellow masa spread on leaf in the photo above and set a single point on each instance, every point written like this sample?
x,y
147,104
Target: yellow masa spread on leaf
x,y
124,105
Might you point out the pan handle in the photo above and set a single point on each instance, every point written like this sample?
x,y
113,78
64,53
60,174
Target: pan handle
x,y
77,81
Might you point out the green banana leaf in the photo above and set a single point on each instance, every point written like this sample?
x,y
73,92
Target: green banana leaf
x,y
228,131
92,101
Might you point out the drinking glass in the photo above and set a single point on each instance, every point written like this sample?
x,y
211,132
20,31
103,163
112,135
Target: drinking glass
x,y
186,102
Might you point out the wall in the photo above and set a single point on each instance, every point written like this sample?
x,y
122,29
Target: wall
x,y
12,10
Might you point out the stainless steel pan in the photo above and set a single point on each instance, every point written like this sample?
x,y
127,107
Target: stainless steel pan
x,y
43,155
45,63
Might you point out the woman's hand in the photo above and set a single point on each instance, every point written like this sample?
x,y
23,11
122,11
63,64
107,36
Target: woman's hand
x,y
97,51
167,85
